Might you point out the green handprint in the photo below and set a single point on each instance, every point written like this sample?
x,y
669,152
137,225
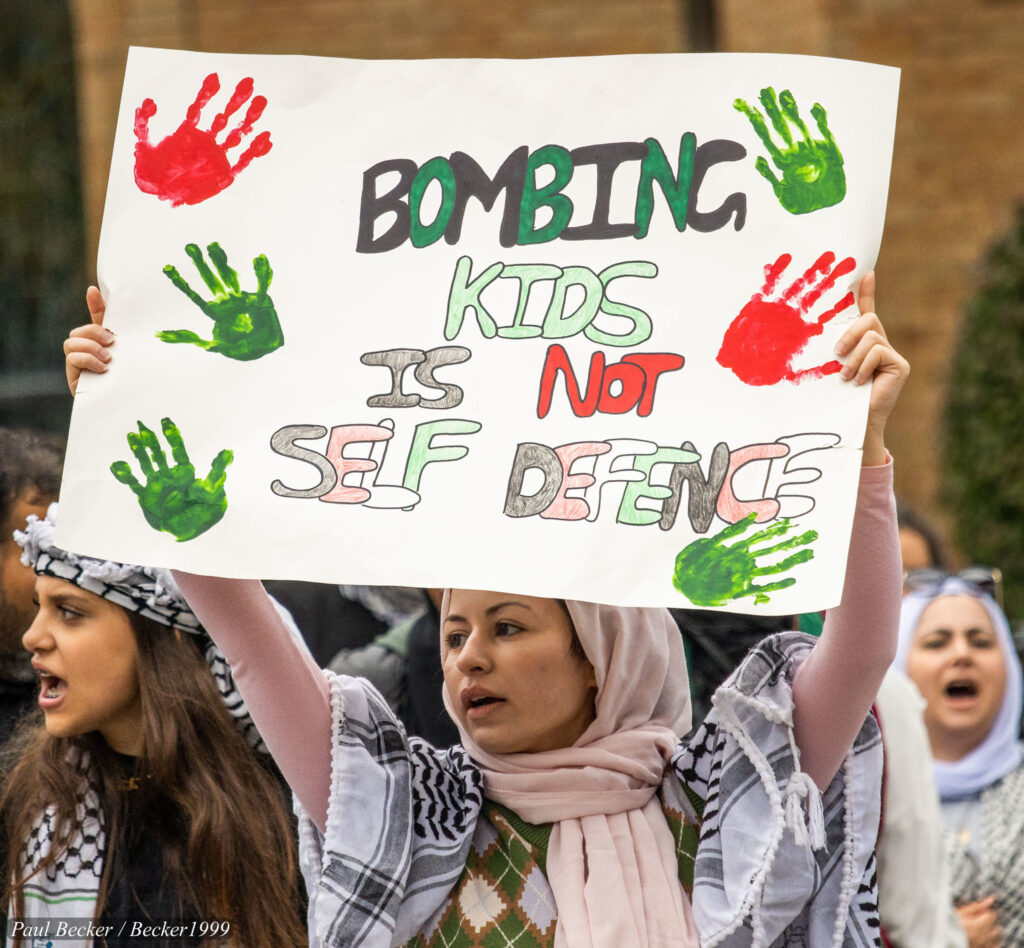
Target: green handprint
x,y
709,573
173,498
245,324
812,169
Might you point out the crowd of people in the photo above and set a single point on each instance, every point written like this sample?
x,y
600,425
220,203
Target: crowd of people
x,y
288,764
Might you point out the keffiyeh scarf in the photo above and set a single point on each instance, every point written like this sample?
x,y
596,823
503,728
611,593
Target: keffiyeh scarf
x,y
402,817
996,865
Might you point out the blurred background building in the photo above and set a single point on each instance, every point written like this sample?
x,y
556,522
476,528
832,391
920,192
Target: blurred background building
x,y
956,179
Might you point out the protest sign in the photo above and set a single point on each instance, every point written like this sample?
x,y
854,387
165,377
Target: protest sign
x,y
562,327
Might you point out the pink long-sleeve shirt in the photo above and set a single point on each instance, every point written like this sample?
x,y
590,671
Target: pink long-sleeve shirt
x,y
288,698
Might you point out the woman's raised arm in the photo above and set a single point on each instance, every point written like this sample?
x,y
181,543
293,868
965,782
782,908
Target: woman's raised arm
x,y
286,693
835,687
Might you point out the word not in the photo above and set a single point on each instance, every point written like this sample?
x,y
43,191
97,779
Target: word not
x,y
622,469
460,178
398,360
350,479
636,376
465,295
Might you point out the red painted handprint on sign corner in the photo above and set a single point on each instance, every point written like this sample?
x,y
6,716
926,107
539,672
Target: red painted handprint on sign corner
x,y
771,331
190,165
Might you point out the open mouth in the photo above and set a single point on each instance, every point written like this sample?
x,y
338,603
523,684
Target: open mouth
x,y
961,689
51,687
478,704
482,702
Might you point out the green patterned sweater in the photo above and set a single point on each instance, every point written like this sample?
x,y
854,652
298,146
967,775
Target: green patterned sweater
x,y
503,898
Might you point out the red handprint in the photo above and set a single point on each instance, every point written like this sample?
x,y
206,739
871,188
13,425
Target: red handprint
x,y
190,165
770,331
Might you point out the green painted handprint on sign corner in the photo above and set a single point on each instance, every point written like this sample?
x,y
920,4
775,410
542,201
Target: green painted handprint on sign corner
x,y
173,499
710,573
245,324
812,168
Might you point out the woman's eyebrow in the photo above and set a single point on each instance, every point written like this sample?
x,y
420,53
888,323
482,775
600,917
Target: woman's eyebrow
x,y
490,611
61,599
497,607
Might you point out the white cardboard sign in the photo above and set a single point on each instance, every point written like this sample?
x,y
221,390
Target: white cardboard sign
x,y
562,327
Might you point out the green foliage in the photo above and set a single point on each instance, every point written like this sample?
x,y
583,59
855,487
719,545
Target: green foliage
x,y
983,474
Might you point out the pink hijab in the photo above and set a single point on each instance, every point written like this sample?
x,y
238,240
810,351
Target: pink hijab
x,y
611,857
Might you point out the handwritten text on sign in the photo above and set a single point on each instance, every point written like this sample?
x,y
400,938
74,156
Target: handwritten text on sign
x,y
476,322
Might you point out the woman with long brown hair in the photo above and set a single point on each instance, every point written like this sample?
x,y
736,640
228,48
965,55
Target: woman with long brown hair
x,y
146,796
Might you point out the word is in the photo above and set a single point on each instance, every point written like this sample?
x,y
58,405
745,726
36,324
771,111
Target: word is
x,y
399,360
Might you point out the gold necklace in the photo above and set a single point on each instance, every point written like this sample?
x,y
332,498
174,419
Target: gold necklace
x,y
133,783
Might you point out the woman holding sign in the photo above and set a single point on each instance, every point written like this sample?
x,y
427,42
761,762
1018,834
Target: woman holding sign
x,y
573,814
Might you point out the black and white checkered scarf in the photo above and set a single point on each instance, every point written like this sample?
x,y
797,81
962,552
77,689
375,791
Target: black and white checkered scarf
x,y
402,816
994,865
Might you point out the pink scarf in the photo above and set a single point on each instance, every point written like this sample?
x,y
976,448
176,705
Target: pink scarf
x,y
611,857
